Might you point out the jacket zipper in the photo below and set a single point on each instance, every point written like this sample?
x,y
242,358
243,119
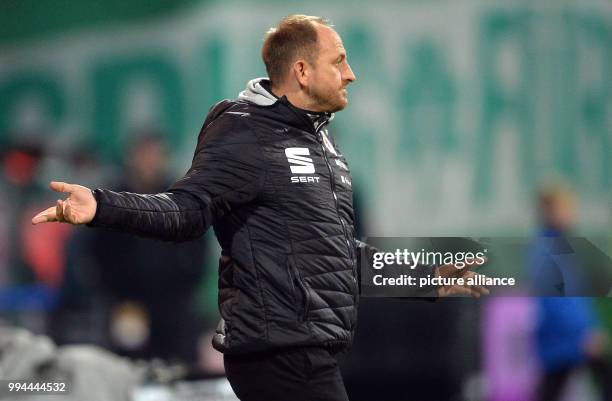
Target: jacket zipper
x,y
351,250
342,223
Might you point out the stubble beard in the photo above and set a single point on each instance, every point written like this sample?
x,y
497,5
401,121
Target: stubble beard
x,y
326,101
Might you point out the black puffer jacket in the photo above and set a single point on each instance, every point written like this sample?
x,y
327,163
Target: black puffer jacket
x,y
277,191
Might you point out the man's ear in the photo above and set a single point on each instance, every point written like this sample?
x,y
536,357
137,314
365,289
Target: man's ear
x,y
301,71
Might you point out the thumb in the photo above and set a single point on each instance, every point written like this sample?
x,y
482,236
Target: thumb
x,y
64,187
451,270
475,264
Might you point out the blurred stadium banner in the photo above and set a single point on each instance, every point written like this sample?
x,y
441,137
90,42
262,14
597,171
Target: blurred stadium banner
x,y
459,109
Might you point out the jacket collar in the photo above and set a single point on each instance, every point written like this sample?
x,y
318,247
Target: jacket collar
x,y
258,91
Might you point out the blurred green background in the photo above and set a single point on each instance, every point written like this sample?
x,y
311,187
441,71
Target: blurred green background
x,y
460,111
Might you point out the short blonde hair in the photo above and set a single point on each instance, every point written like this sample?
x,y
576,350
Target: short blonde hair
x,y
295,36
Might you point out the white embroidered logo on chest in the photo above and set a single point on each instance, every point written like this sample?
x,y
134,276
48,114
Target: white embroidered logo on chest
x,y
299,160
301,163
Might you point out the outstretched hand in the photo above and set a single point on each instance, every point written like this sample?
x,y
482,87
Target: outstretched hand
x,y
449,271
78,208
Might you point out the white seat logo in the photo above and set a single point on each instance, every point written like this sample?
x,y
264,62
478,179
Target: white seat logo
x,y
300,164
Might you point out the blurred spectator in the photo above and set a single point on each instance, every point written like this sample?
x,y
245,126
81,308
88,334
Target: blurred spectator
x,y
22,257
135,296
31,261
568,333
508,350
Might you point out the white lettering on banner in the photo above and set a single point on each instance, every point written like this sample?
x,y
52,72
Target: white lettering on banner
x,y
46,80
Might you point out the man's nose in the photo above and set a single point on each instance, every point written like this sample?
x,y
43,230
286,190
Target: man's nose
x,y
349,75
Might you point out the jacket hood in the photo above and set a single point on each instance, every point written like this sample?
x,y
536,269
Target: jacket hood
x,y
257,94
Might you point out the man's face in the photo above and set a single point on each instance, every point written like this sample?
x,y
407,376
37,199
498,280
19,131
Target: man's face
x,y
331,73
562,211
149,160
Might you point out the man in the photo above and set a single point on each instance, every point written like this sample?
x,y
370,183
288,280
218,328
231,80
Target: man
x,y
267,176
569,335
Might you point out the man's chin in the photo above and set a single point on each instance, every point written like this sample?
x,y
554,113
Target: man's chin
x,y
332,107
341,106
338,106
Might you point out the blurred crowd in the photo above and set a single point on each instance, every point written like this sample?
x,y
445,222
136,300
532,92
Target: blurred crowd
x,y
141,298
458,111
136,297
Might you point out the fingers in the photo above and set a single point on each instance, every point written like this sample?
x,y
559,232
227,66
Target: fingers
x,y
59,210
472,291
456,290
461,290
45,216
475,265
68,215
454,271
448,271
64,187
484,290
472,264
476,289
480,290
464,289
